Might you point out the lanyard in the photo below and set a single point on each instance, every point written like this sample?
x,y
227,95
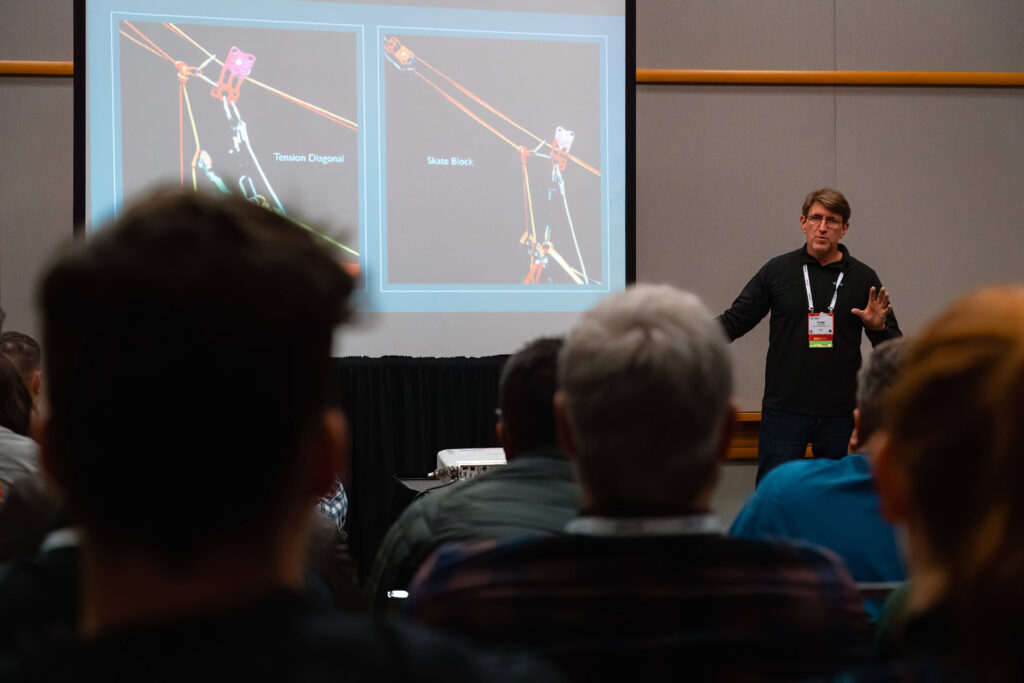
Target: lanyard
x,y
810,301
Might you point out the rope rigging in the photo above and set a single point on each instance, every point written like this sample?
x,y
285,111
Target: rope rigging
x,y
234,72
540,248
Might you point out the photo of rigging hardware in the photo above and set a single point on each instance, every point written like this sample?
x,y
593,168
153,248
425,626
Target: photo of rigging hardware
x,y
493,161
240,109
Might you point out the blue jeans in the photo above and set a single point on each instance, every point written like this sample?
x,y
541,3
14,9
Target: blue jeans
x,y
784,437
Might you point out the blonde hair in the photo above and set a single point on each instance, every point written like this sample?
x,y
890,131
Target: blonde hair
x,y
957,431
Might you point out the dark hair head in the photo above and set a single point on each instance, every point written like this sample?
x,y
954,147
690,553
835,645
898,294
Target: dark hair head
x,y
23,351
833,200
187,351
956,431
526,391
873,382
15,401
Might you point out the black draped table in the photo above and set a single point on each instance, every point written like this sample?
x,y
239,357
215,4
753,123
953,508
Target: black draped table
x,y
401,412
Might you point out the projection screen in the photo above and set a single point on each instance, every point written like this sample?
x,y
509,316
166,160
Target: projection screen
x,y
472,162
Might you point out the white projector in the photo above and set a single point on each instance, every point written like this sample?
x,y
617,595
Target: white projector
x,y
466,463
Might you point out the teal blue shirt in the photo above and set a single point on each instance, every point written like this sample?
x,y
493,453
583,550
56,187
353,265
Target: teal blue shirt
x,y
831,503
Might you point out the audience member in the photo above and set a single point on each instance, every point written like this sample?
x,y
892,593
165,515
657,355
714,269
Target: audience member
x,y
194,504
535,494
951,473
329,559
29,509
27,356
646,583
19,454
833,503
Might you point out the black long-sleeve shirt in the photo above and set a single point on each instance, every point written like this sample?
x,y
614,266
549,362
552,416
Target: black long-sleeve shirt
x,y
797,378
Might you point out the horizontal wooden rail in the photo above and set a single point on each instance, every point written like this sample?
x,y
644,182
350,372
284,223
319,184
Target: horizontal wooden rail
x,y
705,76
11,68
883,78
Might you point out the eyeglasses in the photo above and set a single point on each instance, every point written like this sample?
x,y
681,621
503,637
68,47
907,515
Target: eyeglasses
x,y
832,223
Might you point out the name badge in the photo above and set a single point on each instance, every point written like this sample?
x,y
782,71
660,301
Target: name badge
x,y
820,330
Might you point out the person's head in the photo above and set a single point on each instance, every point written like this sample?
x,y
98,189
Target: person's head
x,y
24,352
643,408
525,392
873,382
951,468
187,349
15,401
824,220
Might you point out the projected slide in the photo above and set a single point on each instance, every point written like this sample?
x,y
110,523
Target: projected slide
x,y
459,156
493,153
268,113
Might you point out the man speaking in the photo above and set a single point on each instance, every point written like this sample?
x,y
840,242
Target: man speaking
x,y
820,298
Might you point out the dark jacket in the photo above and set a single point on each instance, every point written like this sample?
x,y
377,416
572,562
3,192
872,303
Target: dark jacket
x,y
536,494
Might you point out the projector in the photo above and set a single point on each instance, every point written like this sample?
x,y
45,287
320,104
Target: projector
x,y
466,463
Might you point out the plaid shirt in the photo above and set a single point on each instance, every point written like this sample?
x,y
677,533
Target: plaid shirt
x,y
335,506
696,607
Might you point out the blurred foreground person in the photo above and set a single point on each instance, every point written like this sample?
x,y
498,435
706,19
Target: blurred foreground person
x,y
187,351
19,454
952,473
645,586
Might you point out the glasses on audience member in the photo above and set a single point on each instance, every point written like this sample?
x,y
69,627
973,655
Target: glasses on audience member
x,y
832,223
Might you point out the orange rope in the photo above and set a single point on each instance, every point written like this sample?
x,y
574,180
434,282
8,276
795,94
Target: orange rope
x,y
352,125
484,104
195,136
183,35
478,100
143,36
582,163
181,130
141,44
465,109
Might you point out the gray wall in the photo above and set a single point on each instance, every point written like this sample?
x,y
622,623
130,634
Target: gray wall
x,y
934,175
35,152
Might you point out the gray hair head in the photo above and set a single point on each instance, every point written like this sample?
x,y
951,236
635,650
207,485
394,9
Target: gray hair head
x,y
647,382
873,382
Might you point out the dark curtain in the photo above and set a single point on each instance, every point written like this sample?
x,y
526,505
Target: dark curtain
x,y
401,412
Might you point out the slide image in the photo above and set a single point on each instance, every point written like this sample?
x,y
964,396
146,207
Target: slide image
x,y
493,161
269,114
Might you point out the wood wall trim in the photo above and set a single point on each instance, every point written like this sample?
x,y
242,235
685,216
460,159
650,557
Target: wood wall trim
x,y
23,68
861,78
983,79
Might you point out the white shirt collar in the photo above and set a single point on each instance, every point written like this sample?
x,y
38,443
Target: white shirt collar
x,y
685,525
